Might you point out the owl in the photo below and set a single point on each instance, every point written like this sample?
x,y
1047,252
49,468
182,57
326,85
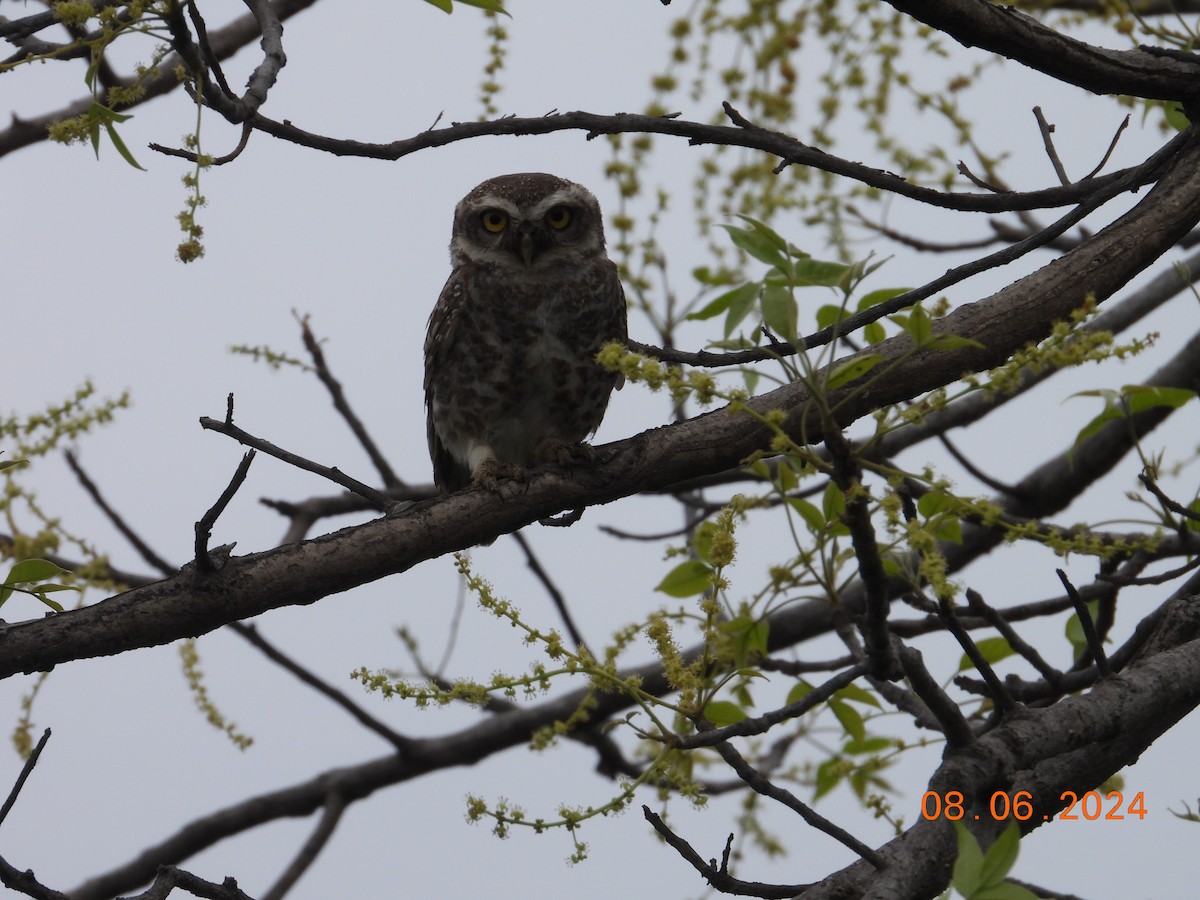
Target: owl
x,y
511,378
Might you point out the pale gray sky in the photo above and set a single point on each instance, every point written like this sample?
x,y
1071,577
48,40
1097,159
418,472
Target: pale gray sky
x,y
92,290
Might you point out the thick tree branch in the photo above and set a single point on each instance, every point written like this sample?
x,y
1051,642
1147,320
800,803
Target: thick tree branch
x,y
224,43
1073,745
1017,36
193,603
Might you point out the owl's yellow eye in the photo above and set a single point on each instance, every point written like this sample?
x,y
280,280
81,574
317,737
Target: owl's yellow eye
x,y
494,221
558,218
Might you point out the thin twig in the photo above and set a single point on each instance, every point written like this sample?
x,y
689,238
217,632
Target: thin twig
x,y
331,814
1027,651
768,720
1047,129
995,484
376,498
27,883
26,770
949,716
1161,578
1089,627
204,527
720,878
338,395
144,550
271,652
1178,508
560,602
848,475
1000,696
761,785
1112,145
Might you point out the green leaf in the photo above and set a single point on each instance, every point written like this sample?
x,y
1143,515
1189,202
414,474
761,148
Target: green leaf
x,y
851,722
833,503
852,369
758,245
1000,856
853,692
702,539
1132,398
829,315
1142,397
1193,524
496,6
765,231
919,326
786,476
760,468
867,745
120,145
29,570
53,604
811,515
968,867
829,773
933,502
993,649
749,639
445,6
799,691
1074,629
12,463
741,305
874,333
713,278
1005,892
720,304
722,712
814,272
687,579
779,311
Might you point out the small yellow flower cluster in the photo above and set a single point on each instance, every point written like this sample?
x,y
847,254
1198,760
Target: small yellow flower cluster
x,y
656,375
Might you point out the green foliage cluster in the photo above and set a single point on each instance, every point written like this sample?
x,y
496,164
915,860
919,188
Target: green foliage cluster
x,y
33,437
195,680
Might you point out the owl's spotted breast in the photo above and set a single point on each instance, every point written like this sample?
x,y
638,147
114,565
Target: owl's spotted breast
x,y
511,378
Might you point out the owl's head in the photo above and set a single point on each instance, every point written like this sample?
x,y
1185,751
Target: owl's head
x,y
529,221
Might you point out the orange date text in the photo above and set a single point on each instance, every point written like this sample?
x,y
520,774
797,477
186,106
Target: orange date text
x,y
1090,806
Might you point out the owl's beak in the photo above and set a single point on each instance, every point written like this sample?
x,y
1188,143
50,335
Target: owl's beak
x,y
527,247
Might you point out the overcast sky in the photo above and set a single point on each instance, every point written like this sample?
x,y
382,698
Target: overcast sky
x,y
91,290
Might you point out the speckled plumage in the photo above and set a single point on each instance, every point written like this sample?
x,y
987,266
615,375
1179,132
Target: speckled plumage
x,y
511,378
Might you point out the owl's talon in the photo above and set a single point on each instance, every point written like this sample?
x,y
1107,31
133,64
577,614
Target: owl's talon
x,y
555,451
489,473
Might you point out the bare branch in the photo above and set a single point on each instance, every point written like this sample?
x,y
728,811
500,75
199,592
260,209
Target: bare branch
x,y
719,877
1089,627
763,786
338,395
204,526
556,596
330,816
1048,143
144,550
380,500
277,656
26,771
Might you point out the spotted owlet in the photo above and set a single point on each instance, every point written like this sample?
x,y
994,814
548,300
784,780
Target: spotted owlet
x,y
511,378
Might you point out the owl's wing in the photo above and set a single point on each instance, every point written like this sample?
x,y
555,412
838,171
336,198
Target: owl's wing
x,y
620,324
448,474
